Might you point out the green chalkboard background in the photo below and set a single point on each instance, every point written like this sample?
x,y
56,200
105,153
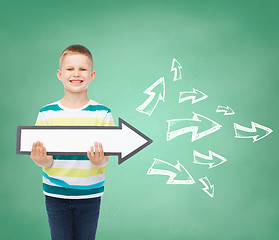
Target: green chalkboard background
x,y
228,49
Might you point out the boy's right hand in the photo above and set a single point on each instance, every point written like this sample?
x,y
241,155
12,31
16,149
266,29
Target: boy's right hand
x,y
39,156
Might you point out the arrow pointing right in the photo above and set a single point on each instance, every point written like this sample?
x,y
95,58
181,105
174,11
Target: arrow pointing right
x,y
123,141
160,167
208,160
257,132
178,127
227,110
195,95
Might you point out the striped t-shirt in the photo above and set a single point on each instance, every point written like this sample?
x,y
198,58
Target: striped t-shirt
x,y
74,177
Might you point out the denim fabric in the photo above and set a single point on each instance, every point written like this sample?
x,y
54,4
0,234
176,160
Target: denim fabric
x,y
72,219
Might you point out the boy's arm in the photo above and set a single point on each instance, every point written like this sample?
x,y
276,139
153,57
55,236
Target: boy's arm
x,y
39,156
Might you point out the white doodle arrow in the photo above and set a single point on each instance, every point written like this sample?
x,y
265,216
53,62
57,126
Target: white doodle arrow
x,y
195,95
176,67
209,189
257,132
150,104
177,127
123,141
160,167
227,110
203,159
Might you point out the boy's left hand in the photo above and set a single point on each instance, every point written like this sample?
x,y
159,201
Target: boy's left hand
x,y
97,157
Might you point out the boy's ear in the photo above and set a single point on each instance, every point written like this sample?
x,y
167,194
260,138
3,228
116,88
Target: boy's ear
x,y
59,74
93,75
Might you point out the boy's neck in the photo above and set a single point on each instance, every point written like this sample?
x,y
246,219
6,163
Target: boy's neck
x,y
74,100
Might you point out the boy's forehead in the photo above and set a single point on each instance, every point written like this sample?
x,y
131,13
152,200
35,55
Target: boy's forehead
x,y
75,58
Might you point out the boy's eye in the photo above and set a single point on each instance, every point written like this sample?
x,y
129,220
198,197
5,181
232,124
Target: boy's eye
x,y
71,69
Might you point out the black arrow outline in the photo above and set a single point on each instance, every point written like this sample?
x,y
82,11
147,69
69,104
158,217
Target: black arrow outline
x,y
119,154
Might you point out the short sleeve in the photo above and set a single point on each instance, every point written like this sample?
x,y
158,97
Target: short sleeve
x,y
41,119
108,120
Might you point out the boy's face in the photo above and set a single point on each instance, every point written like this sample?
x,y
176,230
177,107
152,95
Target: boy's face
x,y
76,73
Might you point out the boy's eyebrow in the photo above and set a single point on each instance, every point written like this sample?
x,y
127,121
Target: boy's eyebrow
x,y
70,66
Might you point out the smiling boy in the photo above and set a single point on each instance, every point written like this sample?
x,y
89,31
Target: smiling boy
x,y
73,185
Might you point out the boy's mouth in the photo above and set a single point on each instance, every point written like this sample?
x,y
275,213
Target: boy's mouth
x,y
76,82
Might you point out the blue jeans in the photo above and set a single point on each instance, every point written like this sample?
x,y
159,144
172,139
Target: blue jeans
x,y
72,219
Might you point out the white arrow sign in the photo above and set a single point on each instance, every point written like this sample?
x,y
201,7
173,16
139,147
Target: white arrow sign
x,y
124,141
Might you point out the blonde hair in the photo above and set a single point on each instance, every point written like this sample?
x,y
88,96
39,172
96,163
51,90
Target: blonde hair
x,y
75,49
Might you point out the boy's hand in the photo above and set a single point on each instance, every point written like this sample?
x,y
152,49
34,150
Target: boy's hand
x,y
39,156
97,157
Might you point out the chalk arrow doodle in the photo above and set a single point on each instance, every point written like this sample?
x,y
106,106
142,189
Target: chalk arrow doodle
x,y
175,66
257,132
123,141
209,189
157,93
227,110
177,127
213,160
195,95
160,167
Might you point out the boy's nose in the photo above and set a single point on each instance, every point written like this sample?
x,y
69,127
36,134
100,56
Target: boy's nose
x,y
76,73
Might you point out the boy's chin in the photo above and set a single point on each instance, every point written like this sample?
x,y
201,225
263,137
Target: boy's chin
x,y
75,90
